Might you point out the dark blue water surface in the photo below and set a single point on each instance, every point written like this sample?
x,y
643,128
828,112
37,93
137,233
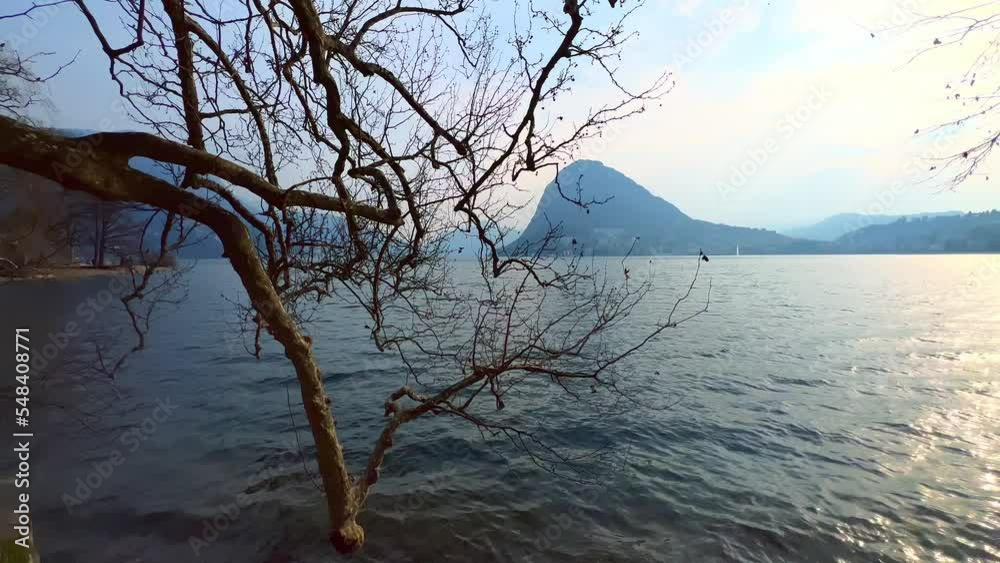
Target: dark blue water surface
x,y
827,409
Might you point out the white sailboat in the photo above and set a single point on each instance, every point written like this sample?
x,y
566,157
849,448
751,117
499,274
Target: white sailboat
x,y
737,250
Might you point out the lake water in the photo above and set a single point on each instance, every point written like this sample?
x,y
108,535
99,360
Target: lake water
x,y
828,408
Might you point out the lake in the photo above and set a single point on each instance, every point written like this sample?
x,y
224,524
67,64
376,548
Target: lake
x,y
826,408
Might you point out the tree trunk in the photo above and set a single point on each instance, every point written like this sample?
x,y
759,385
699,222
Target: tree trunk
x,y
97,234
104,241
346,535
108,176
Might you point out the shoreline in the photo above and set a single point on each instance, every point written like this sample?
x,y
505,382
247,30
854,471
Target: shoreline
x,y
68,273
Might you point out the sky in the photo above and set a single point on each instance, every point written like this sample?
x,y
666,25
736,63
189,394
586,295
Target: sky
x,y
800,95
783,113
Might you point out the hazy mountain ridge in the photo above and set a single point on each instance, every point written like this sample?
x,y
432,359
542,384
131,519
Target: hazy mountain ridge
x,y
634,215
968,232
629,217
630,214
836,226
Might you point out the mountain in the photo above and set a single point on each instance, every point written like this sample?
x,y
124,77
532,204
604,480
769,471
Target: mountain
x,y
628,213
836,226
969,232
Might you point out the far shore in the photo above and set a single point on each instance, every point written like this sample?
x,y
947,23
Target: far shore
x,y
67,273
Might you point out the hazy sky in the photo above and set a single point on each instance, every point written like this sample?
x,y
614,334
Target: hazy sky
x,y
819,115
837,107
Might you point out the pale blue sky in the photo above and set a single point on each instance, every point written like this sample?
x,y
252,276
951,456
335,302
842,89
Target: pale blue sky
x,y
742,79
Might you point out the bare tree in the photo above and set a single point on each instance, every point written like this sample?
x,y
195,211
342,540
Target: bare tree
x,y
974,90
333,146
34,226
31,209
18,83
20,86
104,226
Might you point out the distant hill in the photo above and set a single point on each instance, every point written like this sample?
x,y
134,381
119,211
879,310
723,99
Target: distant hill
x,y
836,226
633,214
969,232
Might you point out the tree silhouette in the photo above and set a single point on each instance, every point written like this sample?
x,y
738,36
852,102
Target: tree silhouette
x,y
974,90
334,147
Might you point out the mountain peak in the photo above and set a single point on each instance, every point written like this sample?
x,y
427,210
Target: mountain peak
x,y
599,210
584,164
592,180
